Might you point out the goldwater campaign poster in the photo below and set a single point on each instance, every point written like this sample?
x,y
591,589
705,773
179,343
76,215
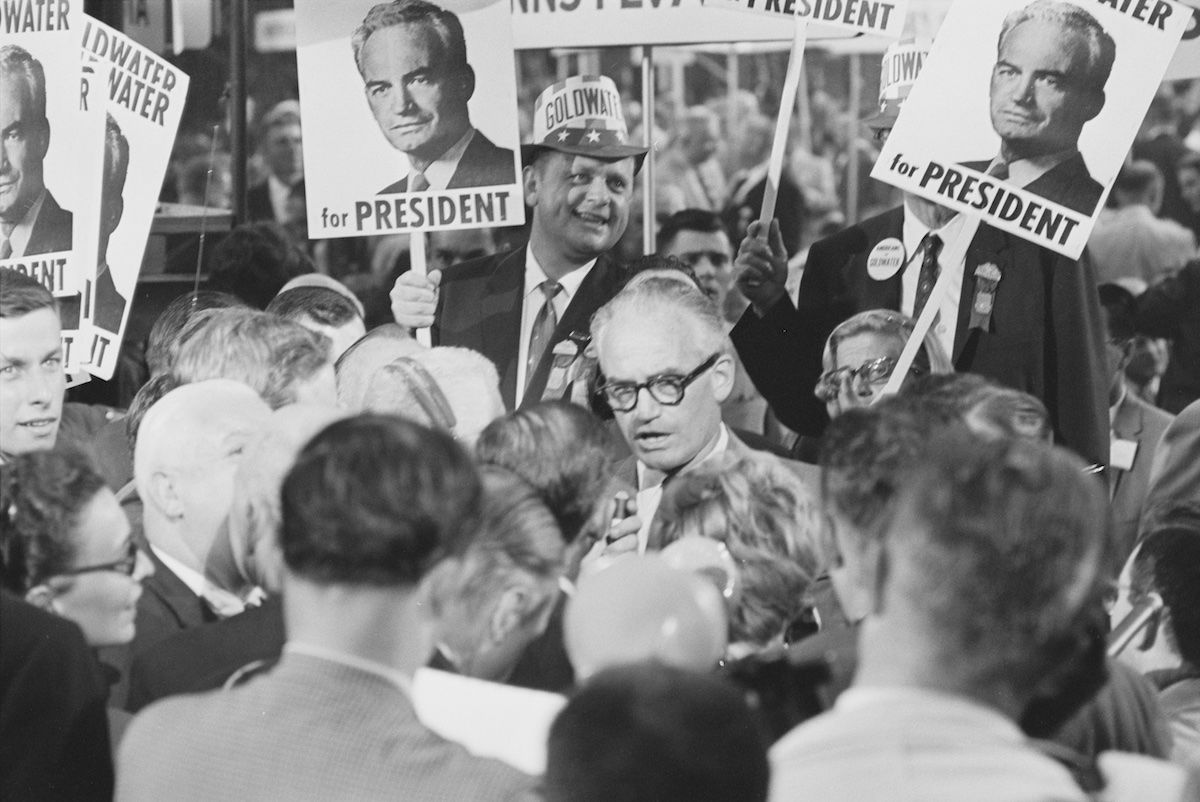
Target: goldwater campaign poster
x,y
878,17
410,116
1024,110
142,99
47,108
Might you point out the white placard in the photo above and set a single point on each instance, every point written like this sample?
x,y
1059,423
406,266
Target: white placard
x,y
1186,63
356,182
1066,139
144,103
877,17
49,241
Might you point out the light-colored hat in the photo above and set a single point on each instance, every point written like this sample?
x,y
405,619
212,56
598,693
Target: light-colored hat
x,y
582,115
902,64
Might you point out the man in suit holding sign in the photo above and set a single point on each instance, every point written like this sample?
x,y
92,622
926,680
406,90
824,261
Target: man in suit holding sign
x,y
516,307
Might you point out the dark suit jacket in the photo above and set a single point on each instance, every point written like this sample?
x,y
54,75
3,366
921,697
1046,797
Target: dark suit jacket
x,y
202,658
258,203
483,164
310,729
108,308
1045,336
51,230
54,740
1168,309
1068,184
1145,425
479,307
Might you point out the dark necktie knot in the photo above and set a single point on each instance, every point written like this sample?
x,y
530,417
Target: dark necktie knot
x,y
932,247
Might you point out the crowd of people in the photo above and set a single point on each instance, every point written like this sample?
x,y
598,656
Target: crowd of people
x,y
691,526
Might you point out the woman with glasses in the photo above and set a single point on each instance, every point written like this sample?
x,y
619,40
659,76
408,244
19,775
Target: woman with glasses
x,y
66,545
861,354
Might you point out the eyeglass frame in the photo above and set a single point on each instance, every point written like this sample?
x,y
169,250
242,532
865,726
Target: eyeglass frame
x,y
854,374
126,565
672,378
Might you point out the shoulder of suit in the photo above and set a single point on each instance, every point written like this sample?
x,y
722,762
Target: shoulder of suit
x,y
482,266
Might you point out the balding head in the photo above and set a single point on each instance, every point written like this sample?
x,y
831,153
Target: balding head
x,y
188,449
453,389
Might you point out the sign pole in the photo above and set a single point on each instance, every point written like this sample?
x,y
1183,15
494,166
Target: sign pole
x,y
787,102
648,103
419,265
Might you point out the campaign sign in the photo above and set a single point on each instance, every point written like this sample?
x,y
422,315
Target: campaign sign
x,y
879,17
143,99
1024,111
47,109
1186,63
405,129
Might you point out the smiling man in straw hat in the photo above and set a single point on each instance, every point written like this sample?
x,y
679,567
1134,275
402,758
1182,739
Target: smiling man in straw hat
x,y
515,307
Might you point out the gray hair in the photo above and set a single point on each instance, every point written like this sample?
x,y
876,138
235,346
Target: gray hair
x,y
16,60
887,323
659,296
1102,50
444,23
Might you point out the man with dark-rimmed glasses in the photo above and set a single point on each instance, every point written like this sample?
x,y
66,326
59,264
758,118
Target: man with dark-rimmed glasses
x,y
664,357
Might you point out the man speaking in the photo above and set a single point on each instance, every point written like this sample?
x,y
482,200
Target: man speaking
x,y
1052,62
31,221
413,60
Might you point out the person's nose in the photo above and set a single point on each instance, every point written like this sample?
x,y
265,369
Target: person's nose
x,y
597,192
646,406
402,100
1023,90
40,389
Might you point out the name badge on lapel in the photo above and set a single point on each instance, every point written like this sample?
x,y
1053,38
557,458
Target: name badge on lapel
x,y
1122,453
987,276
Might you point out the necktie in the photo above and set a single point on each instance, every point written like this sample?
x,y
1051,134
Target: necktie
x,y
6,248
543,327
999,170
928,276
418,183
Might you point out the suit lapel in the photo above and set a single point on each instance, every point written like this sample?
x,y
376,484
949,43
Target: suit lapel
x,y
187,608
595,291
989,246
880,294
500,327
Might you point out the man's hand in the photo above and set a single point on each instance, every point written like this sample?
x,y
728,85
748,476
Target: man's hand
x,y
414,298
620,540
761,266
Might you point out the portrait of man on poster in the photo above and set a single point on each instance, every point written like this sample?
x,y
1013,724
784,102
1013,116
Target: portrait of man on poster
x,y
1053,60
31,221
412,56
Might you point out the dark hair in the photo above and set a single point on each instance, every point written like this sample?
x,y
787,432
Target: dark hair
x,y
1189,161
320,304
147,396
1168,563
867,454
947,397
255,260
400,12
1138,178
1121,307
162,346
41,497
653,733
377,500
20,294
689,220
1003,547
560,449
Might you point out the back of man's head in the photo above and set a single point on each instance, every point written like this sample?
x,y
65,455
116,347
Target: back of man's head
x,y
375,500
322,310
162,346
651,733
278,358
701,220
1139,183
254,261
357,366
996,557
1168,563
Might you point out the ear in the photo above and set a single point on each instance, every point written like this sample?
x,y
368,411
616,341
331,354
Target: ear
x,y
530,176
1093,104
164,495
512,610
877,570
42,596
467,83
724,373
41,139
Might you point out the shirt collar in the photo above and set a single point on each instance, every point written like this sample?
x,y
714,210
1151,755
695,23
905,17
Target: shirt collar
x,y
1023,172
439,172
859,697
1112,411
381,670
535,275
197,582
954,245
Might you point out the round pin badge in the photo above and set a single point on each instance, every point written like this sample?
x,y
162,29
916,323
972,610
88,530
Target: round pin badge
x,y
886,259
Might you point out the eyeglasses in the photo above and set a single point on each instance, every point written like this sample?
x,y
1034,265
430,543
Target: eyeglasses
x,y
665,388
126,565
873,372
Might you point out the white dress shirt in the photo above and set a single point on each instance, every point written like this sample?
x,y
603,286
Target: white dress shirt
x,y
221,601
952,259
532,304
